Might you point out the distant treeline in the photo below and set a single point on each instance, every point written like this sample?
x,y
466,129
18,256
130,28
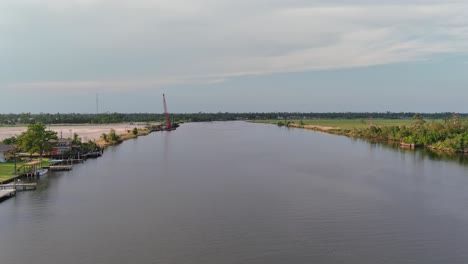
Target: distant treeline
x,y
72,118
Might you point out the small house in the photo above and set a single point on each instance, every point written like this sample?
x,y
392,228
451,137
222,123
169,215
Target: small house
x,y
61,146
4,150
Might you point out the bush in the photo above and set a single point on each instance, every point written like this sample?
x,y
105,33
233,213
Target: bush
x,y
105,137
113,137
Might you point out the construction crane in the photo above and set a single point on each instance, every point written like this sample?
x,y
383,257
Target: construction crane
x,y
168,123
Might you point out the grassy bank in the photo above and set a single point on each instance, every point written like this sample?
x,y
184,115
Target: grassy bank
x,y
7,169
339,124
106,142
450,134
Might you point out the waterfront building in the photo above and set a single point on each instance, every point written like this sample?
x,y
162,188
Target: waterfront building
x,y
4,150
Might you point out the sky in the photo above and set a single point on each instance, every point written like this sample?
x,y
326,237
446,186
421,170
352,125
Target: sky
x,y
233,56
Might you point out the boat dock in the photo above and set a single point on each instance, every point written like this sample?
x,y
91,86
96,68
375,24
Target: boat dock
x,y
30,168
10,189
60,168
18,186
4,194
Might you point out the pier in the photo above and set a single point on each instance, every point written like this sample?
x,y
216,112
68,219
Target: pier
x,y
61,168
10,189
18,186
4,194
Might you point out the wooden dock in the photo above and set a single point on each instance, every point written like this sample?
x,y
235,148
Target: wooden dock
x,y
7,193
61,168
20,186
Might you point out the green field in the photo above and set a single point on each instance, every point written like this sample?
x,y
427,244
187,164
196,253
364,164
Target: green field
x,y
6,171
346,123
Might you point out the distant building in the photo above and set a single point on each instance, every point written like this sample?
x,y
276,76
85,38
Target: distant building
x,y
62,146
4,150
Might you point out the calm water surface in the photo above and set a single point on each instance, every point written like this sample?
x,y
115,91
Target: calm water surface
x,y
244,193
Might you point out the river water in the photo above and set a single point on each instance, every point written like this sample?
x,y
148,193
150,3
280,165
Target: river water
x,y
236,192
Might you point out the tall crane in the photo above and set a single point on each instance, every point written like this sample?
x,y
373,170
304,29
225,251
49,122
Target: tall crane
x,y
168,123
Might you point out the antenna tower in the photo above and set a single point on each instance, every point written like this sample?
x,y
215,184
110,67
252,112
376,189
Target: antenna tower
x,y
97,103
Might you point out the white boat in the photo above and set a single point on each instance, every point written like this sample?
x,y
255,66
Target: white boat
x,y
41,172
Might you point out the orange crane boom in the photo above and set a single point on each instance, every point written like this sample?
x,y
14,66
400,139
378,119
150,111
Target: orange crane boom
x,y
166,114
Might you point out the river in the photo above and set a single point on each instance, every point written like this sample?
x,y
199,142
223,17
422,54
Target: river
x,y
235,192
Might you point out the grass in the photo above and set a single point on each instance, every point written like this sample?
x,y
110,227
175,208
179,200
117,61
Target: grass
x,y
6,169
141,132
345,123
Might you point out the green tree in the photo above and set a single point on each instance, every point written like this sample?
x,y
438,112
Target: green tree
x,y
13,155
135,131
113,137
9,141
88,146
105,137
36,139
419,121
76,139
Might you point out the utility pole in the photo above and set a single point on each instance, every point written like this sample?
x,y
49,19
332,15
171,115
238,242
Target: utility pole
x,y
97,104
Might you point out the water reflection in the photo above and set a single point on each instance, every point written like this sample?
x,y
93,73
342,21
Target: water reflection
x,y
420,153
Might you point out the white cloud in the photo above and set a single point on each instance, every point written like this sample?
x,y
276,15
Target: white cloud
x,y
139,43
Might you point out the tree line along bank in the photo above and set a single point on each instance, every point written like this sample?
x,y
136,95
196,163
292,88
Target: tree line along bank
x,y
448,134
109,118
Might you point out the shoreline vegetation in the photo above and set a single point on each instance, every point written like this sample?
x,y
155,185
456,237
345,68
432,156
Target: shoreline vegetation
x,y
112,138
448,134
6,169
24,119
36,143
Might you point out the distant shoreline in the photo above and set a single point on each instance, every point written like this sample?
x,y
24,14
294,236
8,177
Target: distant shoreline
x,y
85,131
361,127
80,124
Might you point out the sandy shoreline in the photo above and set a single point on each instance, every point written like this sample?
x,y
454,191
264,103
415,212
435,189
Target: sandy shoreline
x,y
314,127
86,132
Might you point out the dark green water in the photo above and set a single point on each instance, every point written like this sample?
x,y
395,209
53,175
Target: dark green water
x,y
244,193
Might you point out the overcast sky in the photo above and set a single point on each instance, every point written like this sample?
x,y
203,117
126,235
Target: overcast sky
x,y
238,55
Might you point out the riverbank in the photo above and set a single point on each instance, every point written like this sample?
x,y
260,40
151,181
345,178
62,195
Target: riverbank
x,y
449,135
8,173
7,170
85,131
103,143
